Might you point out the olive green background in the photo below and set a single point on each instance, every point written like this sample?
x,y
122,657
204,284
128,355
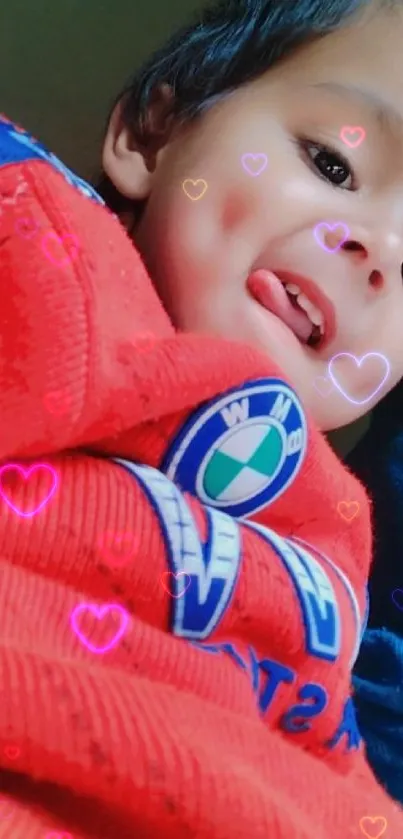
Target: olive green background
x,y
63,61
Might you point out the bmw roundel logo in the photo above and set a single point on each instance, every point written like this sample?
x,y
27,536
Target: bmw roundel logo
x,y
239,452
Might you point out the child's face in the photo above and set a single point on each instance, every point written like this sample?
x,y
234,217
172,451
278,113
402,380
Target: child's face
x,y
202,248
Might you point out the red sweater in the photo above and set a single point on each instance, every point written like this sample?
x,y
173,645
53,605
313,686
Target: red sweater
x,y
183,560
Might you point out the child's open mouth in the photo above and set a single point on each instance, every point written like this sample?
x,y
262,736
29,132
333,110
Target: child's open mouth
x,y
297,302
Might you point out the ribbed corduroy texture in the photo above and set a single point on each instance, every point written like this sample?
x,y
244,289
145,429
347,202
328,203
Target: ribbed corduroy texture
x,y
154,738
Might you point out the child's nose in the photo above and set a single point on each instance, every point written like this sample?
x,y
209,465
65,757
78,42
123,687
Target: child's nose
x,y
376,279
383,253
355,247
384,245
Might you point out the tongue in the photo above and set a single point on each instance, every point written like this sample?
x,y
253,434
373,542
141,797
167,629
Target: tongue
x,y
267,289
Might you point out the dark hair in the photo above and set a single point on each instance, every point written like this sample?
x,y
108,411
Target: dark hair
x,y
231,43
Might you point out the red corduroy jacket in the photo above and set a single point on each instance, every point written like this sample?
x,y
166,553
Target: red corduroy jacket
x,y
183,560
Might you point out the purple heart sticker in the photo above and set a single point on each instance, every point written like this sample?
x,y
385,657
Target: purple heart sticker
x,y
324,226
254,164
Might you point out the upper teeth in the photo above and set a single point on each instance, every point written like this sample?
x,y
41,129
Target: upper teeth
x,y
314,314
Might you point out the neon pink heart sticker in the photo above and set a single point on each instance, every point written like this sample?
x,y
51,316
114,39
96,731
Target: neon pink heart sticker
x,y
12,751
26,227
26,474
352,135
99,613
63,243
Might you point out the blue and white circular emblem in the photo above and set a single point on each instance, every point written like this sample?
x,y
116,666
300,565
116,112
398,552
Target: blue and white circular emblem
x,y
240,451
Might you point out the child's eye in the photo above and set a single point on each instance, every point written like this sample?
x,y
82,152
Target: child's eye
x,y
331,165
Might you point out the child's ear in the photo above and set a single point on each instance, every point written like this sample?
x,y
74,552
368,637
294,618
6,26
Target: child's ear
x,y
130,161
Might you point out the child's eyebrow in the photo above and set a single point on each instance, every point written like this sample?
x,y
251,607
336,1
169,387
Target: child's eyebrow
x,y
385,113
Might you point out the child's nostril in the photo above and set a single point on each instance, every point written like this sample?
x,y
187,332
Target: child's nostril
x,y
351,245
376,279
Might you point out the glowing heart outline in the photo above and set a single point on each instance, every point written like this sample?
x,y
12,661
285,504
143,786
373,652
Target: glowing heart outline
x,y
194,182
26,473
330,227
119,536
355,504
99,612
144,341
12,752
373,819
175,576
60,263
352,129
19,227
398,605
359,361
254,156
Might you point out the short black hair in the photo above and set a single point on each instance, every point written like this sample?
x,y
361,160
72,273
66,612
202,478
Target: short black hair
x,y
229,43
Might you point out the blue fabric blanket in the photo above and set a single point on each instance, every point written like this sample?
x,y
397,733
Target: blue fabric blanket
x,y
378,676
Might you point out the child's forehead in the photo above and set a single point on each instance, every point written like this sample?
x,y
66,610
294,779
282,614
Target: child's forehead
x,y
361,63
372,42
